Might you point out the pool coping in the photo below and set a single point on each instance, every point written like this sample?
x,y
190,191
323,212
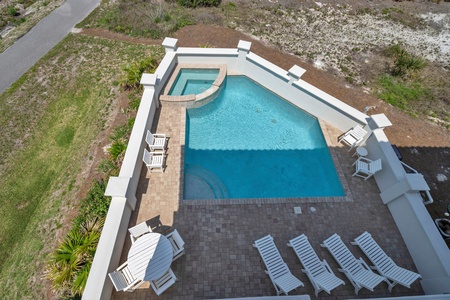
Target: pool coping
x,y
193,100
333,153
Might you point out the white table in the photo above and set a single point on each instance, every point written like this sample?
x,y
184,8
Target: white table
x,y
150,257
360,151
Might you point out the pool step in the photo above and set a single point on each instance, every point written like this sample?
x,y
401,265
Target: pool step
x,y
207,177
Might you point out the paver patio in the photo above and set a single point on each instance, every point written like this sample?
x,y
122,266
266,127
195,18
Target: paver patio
x,y
220,261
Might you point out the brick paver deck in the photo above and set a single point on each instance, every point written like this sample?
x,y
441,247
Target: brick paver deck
x,y
220,261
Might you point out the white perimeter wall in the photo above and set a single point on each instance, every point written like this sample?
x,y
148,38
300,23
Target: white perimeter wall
x,y
427,248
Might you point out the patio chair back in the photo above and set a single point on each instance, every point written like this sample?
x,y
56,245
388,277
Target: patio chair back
x,y
123,280
177,244
162,284
138,230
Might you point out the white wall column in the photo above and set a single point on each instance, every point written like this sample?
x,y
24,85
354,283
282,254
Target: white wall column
x,y
243,50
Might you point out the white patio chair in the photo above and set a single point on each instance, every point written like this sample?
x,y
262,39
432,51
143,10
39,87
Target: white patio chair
x,y
353,137
356,270
177,244
123,280
154,160
157,141
383,263
278,271
139,230
318,272
162,284
366,168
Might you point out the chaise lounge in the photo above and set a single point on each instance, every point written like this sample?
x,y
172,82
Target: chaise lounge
x,y
356,270
278,271
383,264
318,272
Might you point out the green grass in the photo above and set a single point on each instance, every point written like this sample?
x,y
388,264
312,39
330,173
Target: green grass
x,y
401,94
141,19
57,110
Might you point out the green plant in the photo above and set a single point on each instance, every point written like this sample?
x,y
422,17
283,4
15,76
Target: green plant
x,y
108,168
69,265
398,93
133,72
120,132
196,3
94,205
229,6
12,11
117,149
404,63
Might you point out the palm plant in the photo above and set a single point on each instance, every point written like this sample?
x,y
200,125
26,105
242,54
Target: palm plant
x,y
69,265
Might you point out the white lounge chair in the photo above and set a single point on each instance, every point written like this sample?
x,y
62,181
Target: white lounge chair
x,y
138,230
123,280
278,271
353,137
383,263
157,141
154,160
356,270
162,284
318,272
366,168
177,244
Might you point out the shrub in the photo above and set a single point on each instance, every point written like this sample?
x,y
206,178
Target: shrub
x,y
133,72
121,132
108,168
12,11
94,205
196,3
69,265
404,63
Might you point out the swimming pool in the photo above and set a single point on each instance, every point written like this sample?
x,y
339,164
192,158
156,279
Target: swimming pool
x,y
250,143
193,81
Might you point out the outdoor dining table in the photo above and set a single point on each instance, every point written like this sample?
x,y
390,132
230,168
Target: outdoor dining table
x,y
150,257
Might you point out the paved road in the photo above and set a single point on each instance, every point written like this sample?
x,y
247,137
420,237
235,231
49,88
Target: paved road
x,y
24,53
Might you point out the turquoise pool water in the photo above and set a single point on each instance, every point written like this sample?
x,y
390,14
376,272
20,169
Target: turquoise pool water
x,y
250,143
193,81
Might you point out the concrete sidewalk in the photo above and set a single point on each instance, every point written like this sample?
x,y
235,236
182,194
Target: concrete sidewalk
x,y
26,51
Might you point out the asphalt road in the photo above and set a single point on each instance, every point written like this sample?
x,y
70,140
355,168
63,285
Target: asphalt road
x,y
26,51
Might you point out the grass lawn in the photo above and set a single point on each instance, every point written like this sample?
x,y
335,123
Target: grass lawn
x,y
50,120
